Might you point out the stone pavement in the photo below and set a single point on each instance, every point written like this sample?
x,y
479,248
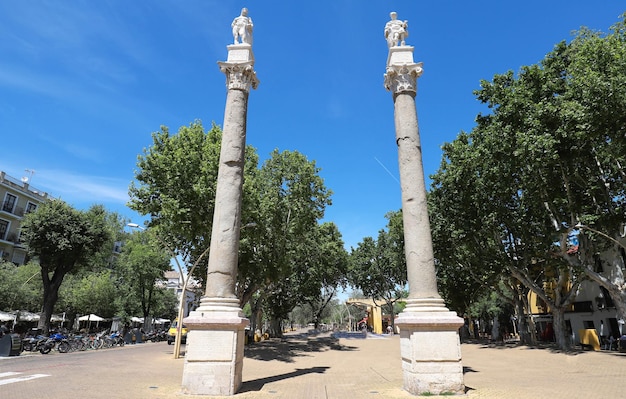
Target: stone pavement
x,y
307,366
323,366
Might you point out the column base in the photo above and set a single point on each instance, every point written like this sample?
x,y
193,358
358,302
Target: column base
x,y
215,344
430,348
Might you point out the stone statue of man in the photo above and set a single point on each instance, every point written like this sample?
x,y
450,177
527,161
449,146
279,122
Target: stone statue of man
x,y
396,31
242,27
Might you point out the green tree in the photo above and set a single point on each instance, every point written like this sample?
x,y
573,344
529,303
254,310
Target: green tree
x,y
324,271
377,267
175,184
90,292
165,303
140,266
20,287
282,204
547,157
316,272
61,238
291,199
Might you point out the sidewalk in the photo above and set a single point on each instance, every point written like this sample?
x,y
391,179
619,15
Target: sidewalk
x,y
304,366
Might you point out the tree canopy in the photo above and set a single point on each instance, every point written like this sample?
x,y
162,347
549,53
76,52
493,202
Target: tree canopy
x,y
548,157
61,238
283,201
141,265
377,267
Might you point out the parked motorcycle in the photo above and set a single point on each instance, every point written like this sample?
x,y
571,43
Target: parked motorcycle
x,y
32,343
151,336
116,338
52,341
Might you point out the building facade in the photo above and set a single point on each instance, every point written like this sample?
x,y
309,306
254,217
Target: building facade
x,y
18,199
174,281
593,308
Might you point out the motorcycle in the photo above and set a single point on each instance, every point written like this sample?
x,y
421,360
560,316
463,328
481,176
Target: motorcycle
x,y
162,335
152,336
54,340
117,338
32,343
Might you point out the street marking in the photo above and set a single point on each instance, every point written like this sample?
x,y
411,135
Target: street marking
x,y
19,379
8,374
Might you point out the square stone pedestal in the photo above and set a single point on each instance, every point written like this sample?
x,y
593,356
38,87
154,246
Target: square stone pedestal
x,y
400,55
431,352
214,353
240,53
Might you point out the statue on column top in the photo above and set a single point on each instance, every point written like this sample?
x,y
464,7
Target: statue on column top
x,y
242,27
396,31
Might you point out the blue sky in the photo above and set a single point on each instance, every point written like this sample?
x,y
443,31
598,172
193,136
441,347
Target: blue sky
x,y
83,84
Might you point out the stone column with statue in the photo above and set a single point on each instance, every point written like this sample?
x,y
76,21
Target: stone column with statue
x,y
429,337
215,342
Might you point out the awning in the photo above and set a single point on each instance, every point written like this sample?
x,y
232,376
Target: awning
x,y
90,317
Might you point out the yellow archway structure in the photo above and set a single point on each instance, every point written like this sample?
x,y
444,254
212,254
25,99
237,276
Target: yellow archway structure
x,y
374,313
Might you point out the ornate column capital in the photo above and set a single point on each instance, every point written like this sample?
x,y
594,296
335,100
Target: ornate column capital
x,y
239,76
403,78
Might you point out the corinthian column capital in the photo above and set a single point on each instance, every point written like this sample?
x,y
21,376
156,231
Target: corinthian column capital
x,y
403,78
239,76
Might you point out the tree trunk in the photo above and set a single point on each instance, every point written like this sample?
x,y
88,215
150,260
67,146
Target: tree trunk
x,y
392,315
561,334
50,297
255,314
522,326
276,328
147,320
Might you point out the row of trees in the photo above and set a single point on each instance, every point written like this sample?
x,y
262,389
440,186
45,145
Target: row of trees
x,y
518,202
287,256
75,268
515,206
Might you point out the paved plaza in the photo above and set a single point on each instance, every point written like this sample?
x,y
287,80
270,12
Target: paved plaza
x,y
307,366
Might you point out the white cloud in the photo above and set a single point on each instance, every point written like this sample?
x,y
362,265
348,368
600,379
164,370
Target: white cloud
x,y
73,187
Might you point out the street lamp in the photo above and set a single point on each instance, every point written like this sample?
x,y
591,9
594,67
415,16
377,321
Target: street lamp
x,y
181,302
186,279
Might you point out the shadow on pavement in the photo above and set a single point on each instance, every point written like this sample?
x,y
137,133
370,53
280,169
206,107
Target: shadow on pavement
x,y
257,385
288,348
546,346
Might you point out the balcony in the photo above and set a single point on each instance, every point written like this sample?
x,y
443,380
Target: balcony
x,y
7,206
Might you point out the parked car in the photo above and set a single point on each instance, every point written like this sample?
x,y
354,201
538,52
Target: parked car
x,y
171,333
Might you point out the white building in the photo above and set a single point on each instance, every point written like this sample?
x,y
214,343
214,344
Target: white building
x,y
174,281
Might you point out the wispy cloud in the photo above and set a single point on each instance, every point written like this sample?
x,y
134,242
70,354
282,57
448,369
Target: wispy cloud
x,y
74,187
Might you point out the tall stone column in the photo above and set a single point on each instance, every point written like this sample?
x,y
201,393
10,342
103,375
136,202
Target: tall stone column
x,y
429,337
215,342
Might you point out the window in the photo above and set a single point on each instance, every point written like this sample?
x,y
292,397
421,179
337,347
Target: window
x,y
19,258
4,228
30,207
583,306
9,202
608,301
588,324
598,264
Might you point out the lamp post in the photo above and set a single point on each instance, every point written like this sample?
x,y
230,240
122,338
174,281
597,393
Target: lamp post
x,y
181,302
186,279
